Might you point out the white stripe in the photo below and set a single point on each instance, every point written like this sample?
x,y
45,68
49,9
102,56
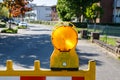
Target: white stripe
x,y
9,78
58,78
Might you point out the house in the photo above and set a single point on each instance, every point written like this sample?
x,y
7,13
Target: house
x,y
107,6
116,11
39,13
43,13
111,10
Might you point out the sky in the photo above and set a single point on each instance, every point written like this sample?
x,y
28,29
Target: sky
x,y
45,2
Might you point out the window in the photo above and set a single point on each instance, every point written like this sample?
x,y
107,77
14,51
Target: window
x,y
48,15
48,8
118,3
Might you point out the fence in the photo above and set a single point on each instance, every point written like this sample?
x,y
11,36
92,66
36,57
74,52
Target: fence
x,y
105,30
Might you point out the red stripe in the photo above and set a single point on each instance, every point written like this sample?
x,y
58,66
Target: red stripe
x,y
77,78
32,78
44,78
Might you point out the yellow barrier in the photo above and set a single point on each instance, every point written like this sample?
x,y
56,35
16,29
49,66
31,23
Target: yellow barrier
x,y
88,74
64,61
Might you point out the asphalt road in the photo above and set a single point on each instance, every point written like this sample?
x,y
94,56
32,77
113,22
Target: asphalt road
x,y
34,43
28,45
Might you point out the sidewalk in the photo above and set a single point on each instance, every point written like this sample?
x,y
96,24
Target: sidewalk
x,y
107,67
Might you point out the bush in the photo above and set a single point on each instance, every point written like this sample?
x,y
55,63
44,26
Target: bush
x,y
9,30
2,25
22,27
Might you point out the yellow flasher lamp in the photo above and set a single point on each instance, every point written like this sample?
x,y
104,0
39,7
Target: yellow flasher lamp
x,y
64,39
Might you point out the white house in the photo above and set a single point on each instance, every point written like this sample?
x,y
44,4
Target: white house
x,y
40,13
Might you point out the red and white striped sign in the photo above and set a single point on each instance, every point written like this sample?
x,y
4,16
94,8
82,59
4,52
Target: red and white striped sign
x,y
40,78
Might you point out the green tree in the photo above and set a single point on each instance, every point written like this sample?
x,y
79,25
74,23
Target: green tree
x,y
73,8
93,12
3,11
64,11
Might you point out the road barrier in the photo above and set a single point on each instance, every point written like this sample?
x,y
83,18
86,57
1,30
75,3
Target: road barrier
x,y
38,74
64,61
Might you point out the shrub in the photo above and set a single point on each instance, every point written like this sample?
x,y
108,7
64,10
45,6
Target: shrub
x,y
2,25
22,27
9,30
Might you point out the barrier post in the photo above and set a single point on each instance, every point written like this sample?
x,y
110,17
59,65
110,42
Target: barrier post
x,y
37,65
9,65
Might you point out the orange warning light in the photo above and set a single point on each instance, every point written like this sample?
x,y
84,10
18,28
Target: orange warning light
x,y
64,38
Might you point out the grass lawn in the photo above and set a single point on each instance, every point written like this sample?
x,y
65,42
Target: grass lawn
x,y
108,40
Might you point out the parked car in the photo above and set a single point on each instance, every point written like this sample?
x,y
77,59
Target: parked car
x,y
11,21
23,24
4,19
17,22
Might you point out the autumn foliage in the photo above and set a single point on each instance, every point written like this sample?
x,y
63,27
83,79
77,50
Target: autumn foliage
x,y
18,7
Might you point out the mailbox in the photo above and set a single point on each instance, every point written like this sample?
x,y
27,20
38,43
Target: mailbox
x,y
64,39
